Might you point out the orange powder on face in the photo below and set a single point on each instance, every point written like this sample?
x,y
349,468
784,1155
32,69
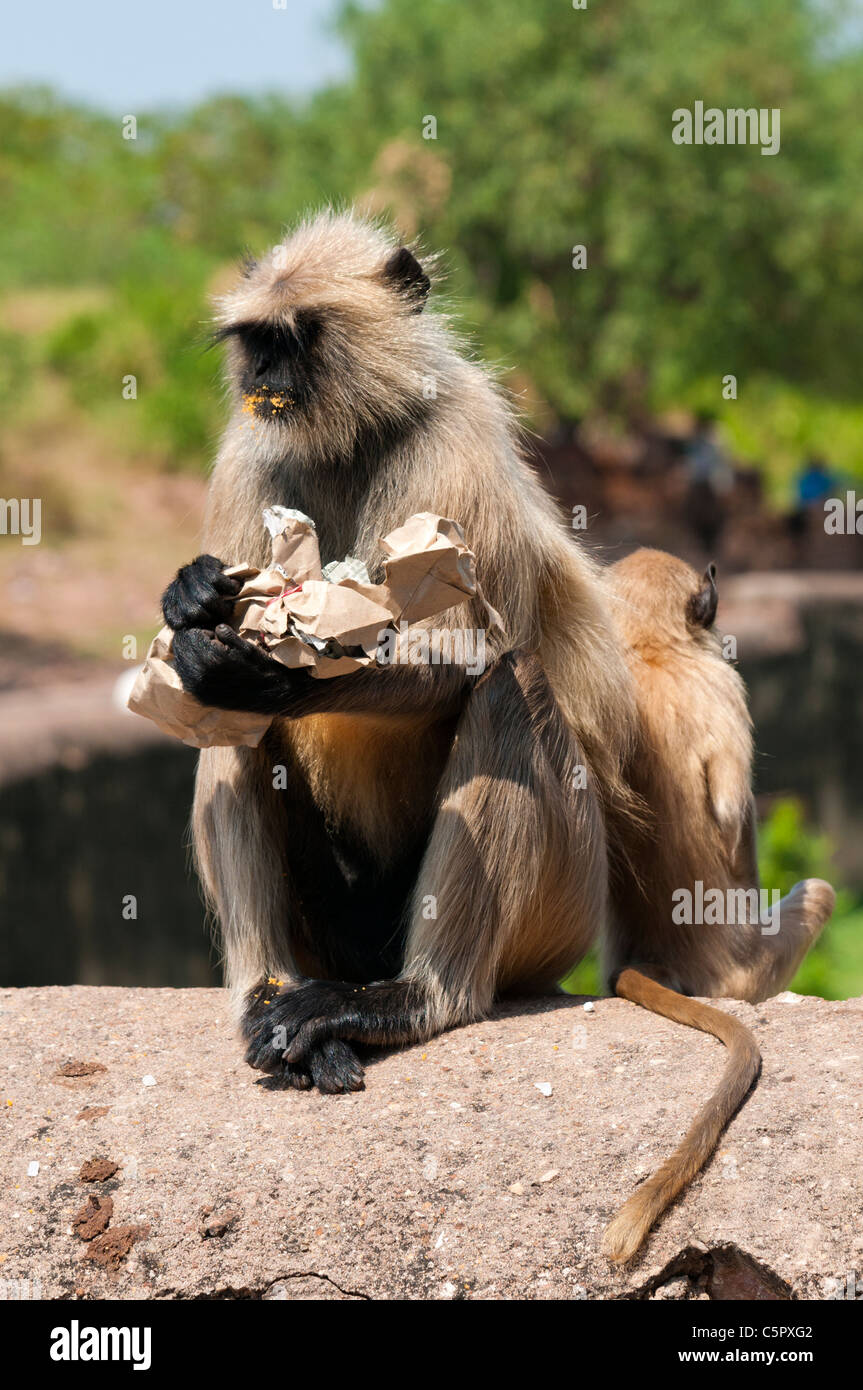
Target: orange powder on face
x,y
278,401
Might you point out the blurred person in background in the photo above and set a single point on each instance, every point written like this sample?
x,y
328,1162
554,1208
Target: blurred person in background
x,y
814,482
711,479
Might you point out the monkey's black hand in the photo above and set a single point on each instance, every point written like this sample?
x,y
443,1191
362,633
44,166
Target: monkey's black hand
x,y
224,670
201,595
219,668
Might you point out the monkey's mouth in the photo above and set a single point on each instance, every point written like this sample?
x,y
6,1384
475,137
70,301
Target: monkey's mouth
x,y
268,402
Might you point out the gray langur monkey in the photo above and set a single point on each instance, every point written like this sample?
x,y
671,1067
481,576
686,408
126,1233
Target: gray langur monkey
x,y
443,836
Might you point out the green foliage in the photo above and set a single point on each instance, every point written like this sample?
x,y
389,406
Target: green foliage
x,y
15,369
553,130
789,851
585,978
556,128
775,425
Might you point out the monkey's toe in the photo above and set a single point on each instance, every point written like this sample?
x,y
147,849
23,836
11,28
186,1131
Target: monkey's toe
x,y
264,1051
289,1077
334,1067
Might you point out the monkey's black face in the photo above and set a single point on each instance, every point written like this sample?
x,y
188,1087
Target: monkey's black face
x,y
277,366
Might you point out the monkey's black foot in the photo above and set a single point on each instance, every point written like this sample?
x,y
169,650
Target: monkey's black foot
x,y
301,1029
201,595
330,1064
333,1067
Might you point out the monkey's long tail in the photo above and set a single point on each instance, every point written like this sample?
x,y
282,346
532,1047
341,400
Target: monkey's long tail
x,y
631,1224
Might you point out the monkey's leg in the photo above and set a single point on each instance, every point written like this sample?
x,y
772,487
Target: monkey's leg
x,y
240,825
511,891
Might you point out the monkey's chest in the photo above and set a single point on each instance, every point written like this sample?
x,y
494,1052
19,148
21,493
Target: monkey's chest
x,y
375,781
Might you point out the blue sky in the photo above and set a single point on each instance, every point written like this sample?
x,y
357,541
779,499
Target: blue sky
x,y
128,57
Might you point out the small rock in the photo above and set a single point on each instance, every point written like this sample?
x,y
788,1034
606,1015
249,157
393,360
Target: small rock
x,y
73,1068
589,1008
544,1087
92,1219
148,1081
33,1168
98,1170
678,1288
217,1226
112,1246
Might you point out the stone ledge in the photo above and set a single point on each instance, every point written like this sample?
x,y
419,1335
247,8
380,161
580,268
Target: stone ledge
x,y
451,1176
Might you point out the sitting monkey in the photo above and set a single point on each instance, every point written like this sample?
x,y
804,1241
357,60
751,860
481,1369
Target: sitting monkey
x,y
692,768
407,840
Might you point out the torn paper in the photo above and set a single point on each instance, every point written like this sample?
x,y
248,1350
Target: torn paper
x,y
327,621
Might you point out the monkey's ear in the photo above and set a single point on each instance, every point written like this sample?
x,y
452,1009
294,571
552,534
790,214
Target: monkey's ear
x,y
403,271
701,607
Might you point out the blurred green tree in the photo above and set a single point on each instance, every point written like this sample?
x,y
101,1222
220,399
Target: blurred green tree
x,y
555,126
553,130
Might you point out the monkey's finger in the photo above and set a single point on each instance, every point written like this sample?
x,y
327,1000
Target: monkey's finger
x,y
193,653
227,584
209,571
231,638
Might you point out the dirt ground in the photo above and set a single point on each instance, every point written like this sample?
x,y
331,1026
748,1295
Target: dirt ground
x,y
483,1164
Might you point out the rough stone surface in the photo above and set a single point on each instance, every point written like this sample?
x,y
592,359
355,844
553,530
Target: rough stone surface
x,y
452,1176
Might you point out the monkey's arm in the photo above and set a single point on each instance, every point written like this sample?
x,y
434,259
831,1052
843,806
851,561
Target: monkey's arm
x,y
221,669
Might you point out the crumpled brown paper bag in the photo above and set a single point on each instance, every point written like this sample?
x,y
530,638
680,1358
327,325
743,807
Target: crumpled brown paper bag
x,y
300,617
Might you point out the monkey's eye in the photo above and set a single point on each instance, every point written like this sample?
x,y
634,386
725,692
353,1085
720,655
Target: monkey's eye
x,y
266,343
